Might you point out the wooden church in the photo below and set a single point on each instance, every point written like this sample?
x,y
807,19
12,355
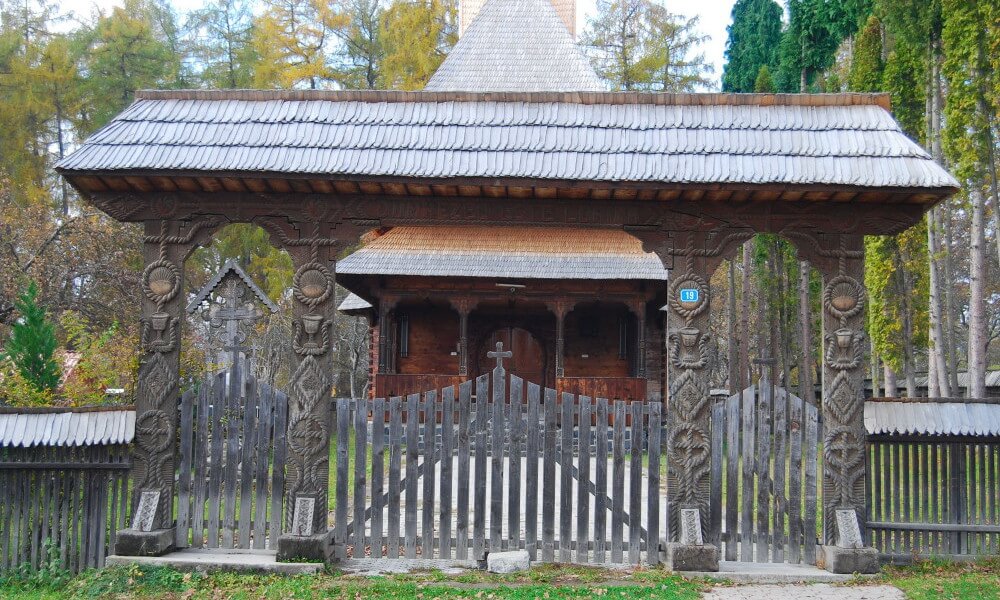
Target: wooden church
x,y
577,307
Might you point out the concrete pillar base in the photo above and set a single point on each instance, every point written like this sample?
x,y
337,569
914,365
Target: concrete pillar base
x,y
306,548
689,557
847,560
132,542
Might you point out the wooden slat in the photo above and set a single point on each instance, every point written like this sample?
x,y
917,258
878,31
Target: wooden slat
x,y
532,451
516,427
795,425
427,474
447,460
462,509
201,465
234,421
764,424
215,477
566,478
811,443
360,476
251,428
261,495
715,478
653,491
618,483
395,465
780,461
341,501
635,484
583,484
498,438
549,477
479,491
412,473
280,437
601,480
748,455
732,475
187,408
378,465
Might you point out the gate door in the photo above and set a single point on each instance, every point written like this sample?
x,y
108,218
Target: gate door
x,y
232,458
764,446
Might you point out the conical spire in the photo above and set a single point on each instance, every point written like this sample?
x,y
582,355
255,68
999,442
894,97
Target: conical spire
x,y
516,46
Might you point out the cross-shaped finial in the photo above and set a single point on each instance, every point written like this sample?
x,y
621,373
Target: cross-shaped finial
x,y
500,355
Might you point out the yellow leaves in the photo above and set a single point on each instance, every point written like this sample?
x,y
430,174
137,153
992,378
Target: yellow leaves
x,y
293,40
413,34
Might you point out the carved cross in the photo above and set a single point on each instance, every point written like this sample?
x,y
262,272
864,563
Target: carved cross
x,y
232,316
499,354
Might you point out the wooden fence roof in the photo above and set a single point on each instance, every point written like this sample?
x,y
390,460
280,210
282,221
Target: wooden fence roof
x,y
923,416
30,427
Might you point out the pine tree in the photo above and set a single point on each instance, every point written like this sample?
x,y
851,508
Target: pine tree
x,y
867,66
32,343
764,83
416,37
754,36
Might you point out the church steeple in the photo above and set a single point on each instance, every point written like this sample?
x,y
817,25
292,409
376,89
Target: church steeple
x,y
468,9
516,46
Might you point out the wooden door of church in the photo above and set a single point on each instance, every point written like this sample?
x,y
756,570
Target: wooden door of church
x,y
528,361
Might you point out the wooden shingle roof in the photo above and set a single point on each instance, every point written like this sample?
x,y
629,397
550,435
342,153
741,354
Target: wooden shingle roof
x,y
505,252
516,46
842,142
921,416
26,428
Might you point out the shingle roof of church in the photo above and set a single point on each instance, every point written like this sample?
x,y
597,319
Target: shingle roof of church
x,y
505,252
516,46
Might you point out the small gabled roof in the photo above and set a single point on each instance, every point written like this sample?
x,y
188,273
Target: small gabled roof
x,y
516,46
505,252
230,267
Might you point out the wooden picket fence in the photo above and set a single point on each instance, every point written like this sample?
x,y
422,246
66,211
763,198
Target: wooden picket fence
x,y
231,473
61,504
764,481
934,495
440,475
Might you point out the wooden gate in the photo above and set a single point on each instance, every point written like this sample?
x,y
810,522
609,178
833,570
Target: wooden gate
x,y
764,485
446,475
231,475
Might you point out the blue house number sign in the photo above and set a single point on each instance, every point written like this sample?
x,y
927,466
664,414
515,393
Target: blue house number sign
x,y
689,295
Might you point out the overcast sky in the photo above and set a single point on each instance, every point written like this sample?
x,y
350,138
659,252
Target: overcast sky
x,y
713,18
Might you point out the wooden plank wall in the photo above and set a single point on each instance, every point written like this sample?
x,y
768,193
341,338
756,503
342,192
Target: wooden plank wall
x,y
229,492
935,496
566,477
764,484
62,505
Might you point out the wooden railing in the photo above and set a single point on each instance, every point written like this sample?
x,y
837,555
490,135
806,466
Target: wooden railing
x,y
401,384
612,388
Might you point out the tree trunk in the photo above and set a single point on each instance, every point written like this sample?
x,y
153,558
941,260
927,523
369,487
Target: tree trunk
x,y
938,385
745,324
891,387
949,296
734,342
900,259
977,295
806,388
874,368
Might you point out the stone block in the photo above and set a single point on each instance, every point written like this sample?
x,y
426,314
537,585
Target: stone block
x,y
305,548
689,557
508,562
847,560
132,542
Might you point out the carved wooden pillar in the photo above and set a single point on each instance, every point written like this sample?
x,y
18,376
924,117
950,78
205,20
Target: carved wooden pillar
x,y
560,308
464,308
313,247
386,351
840,258
166,245
638,308
692,255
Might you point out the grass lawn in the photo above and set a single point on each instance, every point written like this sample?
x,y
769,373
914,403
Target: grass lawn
x,y
946,581
546,582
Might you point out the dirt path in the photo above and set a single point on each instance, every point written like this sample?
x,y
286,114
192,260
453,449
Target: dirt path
x,y
818,591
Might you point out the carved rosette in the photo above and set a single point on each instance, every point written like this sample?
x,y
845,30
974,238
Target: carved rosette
x,y
844,301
